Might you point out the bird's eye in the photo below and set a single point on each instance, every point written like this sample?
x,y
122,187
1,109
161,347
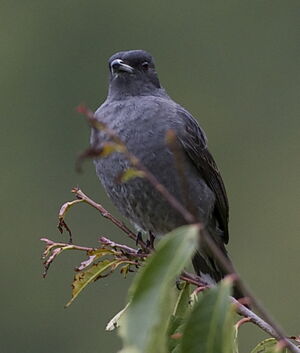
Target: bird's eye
x,y
145,65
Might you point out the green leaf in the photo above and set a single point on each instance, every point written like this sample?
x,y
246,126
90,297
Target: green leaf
x,y
145,322
267,346
83,278
174,332
176,322
183,300
209,327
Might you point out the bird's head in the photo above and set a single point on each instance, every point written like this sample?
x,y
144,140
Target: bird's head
x,y
132,73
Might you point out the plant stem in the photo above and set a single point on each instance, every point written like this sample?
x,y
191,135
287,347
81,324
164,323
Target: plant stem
x,y
81,195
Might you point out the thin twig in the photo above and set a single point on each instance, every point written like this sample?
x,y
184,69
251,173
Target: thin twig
x,y
53,249
125,248
69,246
81,195
245,312
243,321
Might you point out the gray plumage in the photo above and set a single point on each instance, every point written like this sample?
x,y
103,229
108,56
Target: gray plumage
x,y
141,113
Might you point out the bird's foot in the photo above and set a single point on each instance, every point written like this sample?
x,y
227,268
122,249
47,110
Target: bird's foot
x,y
150,240
138,238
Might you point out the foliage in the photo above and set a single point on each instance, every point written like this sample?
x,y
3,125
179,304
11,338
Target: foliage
x,y
152,293
162,315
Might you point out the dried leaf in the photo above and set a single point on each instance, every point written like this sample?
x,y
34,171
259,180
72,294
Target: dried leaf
x,y
110,147
61,217
105,150
125,269
83,278
86,263
130,173
114,322
51,251
170,137
95,254
65,207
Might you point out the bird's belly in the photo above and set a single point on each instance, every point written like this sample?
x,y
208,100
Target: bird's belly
x,y
139,200
144,134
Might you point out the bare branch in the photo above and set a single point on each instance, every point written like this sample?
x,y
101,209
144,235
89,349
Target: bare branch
x,y
128,250
82,196
53,249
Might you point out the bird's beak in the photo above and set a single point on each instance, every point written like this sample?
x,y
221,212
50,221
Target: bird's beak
x,y
118,66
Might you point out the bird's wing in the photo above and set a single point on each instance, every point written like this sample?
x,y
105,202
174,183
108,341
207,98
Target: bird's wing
x,y
194,143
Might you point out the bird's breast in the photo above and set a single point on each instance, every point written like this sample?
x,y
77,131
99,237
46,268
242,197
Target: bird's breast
x,y
142,125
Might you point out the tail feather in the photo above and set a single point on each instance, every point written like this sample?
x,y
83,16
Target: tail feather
x,y
206,267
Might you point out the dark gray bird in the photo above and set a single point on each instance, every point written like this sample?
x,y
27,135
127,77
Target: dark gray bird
x,y
139,110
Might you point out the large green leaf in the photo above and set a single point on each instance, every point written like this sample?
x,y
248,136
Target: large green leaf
x,y
267,346
144,326
209,328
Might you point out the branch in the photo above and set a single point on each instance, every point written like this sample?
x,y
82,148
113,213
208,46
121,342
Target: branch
x,y
128,250
82,196
241,309
53,249
247,313
194,279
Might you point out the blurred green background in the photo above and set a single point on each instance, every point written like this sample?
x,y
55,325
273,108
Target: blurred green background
x,y
233,64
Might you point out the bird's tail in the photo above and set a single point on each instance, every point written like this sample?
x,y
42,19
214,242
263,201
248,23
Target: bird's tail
x,y
207,268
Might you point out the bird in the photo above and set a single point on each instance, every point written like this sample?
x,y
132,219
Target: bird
x,y
141,113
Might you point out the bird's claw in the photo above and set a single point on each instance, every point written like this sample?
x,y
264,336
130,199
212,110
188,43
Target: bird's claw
x,y
138,238
151,239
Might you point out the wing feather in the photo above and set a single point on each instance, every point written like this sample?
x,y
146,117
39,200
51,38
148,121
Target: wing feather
x,y
194,143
